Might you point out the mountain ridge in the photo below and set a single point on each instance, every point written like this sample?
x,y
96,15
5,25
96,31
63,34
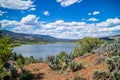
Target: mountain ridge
x,y
44,38
31,37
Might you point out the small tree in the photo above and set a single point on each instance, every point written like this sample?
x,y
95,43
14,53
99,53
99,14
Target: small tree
x,y
5,52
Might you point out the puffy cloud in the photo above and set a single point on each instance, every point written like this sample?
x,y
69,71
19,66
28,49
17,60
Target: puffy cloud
x,y
30,20
7,23
109,22
2,12
16,4
46,13
93,19
62,29
27,24
66,3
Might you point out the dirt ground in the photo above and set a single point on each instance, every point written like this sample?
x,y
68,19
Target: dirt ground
x,y
43,71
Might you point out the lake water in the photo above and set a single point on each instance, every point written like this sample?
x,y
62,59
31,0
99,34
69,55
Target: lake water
x,y
42,50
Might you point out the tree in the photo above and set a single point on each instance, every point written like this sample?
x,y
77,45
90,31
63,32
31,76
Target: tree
x,y
5,50
5,53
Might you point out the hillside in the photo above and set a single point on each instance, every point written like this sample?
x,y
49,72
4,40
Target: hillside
x,y
31,37
43,72
110,37
23,37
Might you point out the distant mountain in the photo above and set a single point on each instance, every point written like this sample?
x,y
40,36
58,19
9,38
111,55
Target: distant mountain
x,y
44,38
31,37
106,38
110,37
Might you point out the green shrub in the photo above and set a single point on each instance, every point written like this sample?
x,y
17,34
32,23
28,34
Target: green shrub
x,y
29,60
13,72
78,52
61,61
74,66
115,75
99,74
13,56
6,77
62,56
40,59
3,74
70,58
113,59
113,63
54,63
114,48
20,63
26,76
86,45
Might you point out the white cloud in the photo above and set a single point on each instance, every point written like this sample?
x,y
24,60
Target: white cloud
x,y
2,12
46,13
96,12
30,20
89,13
16,4
93,19
58,0
8,23
62,29
66,3
109,22
26,25
33,9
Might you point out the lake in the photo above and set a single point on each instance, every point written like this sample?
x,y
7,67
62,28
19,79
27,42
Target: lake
x,y
42,50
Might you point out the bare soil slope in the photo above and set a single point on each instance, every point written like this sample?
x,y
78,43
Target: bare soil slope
x,y
43,72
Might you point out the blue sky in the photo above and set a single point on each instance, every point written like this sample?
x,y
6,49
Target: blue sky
x,y
72,19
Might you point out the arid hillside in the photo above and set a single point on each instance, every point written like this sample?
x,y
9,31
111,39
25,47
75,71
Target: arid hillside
x,y
90,62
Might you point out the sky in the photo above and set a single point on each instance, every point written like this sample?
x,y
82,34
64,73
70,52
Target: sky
x,y
70,19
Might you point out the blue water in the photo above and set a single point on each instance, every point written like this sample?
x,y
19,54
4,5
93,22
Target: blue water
x,y
43,50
